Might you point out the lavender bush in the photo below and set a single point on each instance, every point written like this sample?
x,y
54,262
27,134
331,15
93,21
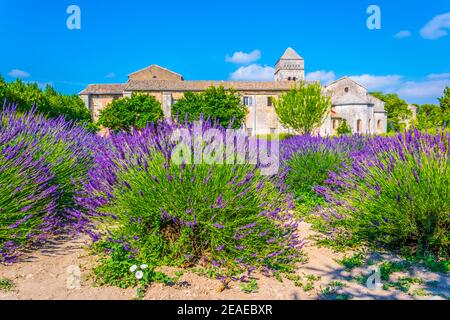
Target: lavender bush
x,y
141,207
40,160
396,192
308,160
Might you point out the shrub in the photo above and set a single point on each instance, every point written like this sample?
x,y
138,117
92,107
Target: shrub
x,y
40,160
226,217
309,160
48,101
216,103
344,128
127,113
396,193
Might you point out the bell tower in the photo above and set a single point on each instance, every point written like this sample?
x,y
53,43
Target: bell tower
x,y
290,67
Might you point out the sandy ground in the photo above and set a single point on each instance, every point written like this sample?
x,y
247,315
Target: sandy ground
x,y
46,274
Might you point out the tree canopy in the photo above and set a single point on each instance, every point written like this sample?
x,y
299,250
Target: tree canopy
x,y
445,106
302,108
127,113
343,128
215,103
48,101
429,116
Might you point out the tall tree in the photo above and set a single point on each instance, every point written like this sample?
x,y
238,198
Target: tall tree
x,y
215,103
445,106
429,116
127,113
397,110
302,108
445,100
48,101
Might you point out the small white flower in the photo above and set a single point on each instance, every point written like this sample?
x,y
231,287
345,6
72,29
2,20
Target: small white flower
x,y
139,275
133,268
144,266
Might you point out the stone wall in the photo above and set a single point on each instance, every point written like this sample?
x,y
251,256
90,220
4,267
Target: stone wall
x,y
355,113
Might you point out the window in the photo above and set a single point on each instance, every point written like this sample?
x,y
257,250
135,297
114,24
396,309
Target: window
x,y
294,78
346,89
250,132
273,130
269,102
379,126
335,124
359,126
370,125
248,101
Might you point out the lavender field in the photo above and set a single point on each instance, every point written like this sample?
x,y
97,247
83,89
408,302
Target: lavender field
x,y
146,221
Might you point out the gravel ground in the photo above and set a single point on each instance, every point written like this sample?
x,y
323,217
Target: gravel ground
x,y
46,274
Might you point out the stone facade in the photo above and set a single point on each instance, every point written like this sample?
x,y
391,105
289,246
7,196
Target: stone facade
x,y
350,101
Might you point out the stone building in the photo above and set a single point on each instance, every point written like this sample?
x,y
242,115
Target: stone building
x,y
350,101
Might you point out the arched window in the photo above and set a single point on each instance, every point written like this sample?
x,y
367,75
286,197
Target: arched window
x,y
335,124
359,126
379,126
370,126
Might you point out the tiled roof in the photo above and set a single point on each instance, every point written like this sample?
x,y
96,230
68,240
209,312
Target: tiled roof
x,y
159,67
162,85
104,89
290,54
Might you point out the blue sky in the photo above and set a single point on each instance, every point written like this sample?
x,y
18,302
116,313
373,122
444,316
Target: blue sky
x,y
231,39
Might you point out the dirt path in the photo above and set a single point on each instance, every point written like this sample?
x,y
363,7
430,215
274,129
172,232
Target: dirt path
x,y
46,274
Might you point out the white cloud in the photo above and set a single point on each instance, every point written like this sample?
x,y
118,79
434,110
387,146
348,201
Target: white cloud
x,y
372,82
403,34
240,57
435,28
16,73
437,76
325,77
423,89
254,72
110,75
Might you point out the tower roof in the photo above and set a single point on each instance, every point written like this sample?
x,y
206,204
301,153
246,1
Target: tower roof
x,y
290,54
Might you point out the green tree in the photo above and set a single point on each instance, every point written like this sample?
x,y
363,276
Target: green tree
x,y
48,101
343,128
215,103
429,116
445,106
135,112
397,110
303,108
